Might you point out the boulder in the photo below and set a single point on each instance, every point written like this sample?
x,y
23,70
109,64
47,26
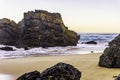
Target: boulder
x,y
8,32
111,56
60,71
42,28
91,42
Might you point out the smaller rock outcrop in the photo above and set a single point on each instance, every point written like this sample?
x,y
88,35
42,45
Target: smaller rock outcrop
x,y
7,48
60,71
91,42
8,32
111,56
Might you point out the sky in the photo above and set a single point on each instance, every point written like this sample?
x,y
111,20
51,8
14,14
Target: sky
x,y
84,16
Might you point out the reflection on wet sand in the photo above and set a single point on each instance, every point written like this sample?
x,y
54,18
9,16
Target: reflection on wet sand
x,y
6,77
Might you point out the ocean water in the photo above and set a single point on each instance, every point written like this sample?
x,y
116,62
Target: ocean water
x,y
101,39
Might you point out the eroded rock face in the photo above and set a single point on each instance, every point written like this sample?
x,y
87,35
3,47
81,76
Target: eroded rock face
x,y
60,71
8,32
111,56
41,28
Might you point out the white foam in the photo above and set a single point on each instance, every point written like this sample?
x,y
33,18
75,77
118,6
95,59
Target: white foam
x,y
79,49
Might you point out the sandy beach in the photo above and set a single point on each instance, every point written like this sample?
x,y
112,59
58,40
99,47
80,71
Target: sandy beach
x,y
86,63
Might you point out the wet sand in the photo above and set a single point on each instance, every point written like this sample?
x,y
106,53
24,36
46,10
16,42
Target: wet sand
x,y
86,63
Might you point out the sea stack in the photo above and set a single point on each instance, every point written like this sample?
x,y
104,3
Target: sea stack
x,y
111,56
42,28
38,28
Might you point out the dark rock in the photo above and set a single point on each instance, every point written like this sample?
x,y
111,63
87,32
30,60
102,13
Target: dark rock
x,y
26,48
117,77
8,32
115,42
111,56
91,42
7,48
41,28
35,75
38,28
60,71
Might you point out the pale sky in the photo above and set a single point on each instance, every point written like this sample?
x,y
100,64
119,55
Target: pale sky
x,y
79,15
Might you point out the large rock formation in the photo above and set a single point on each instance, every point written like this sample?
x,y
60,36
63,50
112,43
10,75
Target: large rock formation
x,y
111,56
8,32
38,28
60,71
41,28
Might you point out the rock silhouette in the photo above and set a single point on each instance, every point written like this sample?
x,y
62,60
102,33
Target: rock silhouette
x,y
60,71
111,56
38,28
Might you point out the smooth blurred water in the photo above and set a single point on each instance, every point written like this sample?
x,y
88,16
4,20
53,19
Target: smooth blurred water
x,y
101,39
